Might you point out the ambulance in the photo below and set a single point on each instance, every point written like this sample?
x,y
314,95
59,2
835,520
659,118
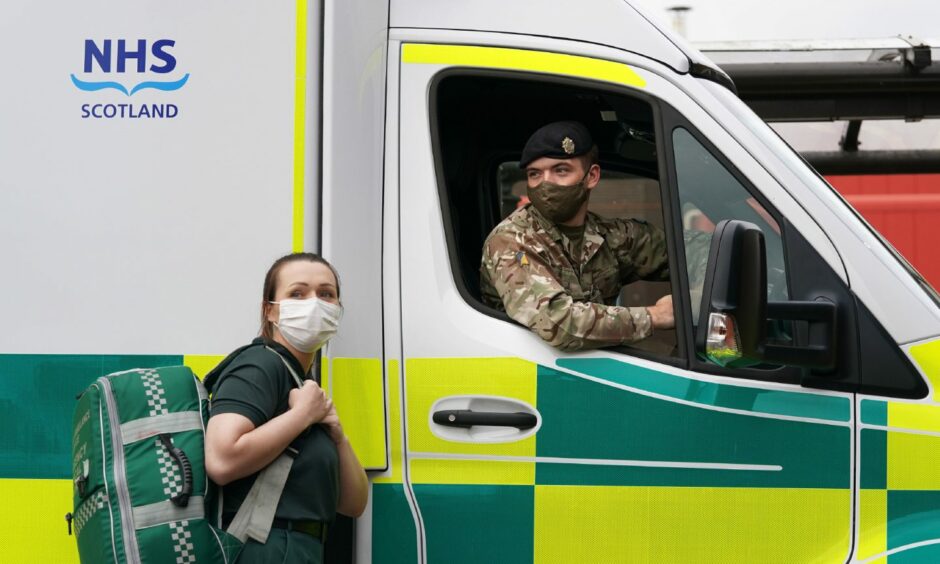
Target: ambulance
x,y
156,157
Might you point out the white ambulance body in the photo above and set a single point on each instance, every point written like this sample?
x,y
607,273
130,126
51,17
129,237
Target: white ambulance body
x,y
157,157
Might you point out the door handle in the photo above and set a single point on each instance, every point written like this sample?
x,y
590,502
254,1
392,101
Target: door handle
x,y
466,418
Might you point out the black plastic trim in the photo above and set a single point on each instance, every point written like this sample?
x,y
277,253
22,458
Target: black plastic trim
x,y
714,74
467,418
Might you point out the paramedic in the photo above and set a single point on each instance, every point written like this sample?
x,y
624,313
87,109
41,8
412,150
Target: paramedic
x,y
257,412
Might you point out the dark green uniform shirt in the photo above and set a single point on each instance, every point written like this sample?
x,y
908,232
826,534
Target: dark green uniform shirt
x,y
257,384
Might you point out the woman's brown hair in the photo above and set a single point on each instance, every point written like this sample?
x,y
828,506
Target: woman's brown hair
x,y
270,286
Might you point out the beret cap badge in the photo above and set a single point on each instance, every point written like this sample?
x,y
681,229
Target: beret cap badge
x,y
568,145
557,140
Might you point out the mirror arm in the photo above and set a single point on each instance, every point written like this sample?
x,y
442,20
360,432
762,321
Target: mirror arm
x,y
820,352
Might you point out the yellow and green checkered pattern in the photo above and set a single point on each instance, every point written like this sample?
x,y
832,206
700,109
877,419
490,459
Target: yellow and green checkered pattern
x,y
528,508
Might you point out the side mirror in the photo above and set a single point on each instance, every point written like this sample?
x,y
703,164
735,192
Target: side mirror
x,y
733,318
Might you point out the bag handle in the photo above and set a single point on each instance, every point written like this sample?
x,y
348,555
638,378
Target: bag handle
x,y
186,469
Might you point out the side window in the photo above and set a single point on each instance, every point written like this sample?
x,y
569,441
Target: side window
x,y
708,194
482,122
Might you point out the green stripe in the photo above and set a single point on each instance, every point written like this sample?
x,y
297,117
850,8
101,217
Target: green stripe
x,y
585,419
473,524
913,516
395,541
921,555
874,459
874,412
816,406
37,399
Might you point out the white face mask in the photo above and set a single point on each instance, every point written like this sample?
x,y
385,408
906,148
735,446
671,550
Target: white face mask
x,y
308,324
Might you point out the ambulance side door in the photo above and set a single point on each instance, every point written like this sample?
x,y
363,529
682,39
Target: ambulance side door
x,y
518,452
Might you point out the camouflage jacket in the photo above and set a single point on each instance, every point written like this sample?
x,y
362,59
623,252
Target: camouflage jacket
x,y
526,271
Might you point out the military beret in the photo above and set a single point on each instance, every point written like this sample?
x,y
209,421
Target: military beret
x,y
558,140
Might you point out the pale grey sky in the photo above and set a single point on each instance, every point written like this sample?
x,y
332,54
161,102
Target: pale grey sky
x,y
726,20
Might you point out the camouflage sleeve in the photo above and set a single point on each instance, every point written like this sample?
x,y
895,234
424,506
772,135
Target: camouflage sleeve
x,y
533,296
640,249
697,247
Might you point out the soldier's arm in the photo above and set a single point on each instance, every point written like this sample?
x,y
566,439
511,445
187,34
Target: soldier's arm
x,y
697,246
640,249
533,296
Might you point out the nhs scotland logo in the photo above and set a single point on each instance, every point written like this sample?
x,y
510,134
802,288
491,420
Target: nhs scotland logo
x,y
129,67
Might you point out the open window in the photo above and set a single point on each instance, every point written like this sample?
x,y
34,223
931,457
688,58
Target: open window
x,y
481,121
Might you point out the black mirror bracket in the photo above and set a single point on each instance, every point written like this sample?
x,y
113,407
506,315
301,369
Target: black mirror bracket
x,y
735,311
820,352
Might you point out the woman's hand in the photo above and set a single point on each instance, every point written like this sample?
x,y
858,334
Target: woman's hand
x,y
310,401
333,425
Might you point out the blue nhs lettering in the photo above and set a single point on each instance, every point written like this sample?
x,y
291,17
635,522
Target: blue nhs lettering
x,y
126,51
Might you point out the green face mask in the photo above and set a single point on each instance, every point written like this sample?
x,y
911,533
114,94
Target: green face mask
x,y
558,202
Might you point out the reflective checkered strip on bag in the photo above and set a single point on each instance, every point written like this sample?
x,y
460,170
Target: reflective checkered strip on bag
x,y
88,509
182,543
156,399
169,472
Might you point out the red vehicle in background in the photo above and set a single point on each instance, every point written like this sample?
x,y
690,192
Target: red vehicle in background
x,y
866,115
905,208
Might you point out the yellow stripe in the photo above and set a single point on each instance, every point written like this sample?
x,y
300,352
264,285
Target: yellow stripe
x,y
325,375
479,472
300,95
914,416
913,462
202,364
33,521
519,59
873,524
358,394
393,379
665,524
927,355
430,379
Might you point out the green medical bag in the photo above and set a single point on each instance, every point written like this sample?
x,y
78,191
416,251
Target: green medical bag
x,y
141,494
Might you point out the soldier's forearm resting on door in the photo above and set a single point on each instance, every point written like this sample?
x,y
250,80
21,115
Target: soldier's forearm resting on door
x,y
533,297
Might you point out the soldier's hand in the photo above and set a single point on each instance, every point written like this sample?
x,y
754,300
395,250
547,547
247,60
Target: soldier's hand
x,y
661,314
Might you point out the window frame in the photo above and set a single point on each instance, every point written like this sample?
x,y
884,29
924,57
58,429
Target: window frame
x,y
665,120
682,358
671,120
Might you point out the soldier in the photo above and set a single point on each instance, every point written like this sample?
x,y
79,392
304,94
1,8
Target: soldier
x,y
557,268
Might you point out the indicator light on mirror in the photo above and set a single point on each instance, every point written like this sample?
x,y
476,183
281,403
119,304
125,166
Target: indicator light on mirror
x,y
721,342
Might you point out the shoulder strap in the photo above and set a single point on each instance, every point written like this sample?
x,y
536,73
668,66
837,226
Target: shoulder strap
x,y
297,379
256,513
212,378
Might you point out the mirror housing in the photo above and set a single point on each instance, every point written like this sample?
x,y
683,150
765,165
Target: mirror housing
x,y
732,327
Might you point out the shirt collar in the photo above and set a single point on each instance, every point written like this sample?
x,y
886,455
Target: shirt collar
x,y
282,350
593,238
